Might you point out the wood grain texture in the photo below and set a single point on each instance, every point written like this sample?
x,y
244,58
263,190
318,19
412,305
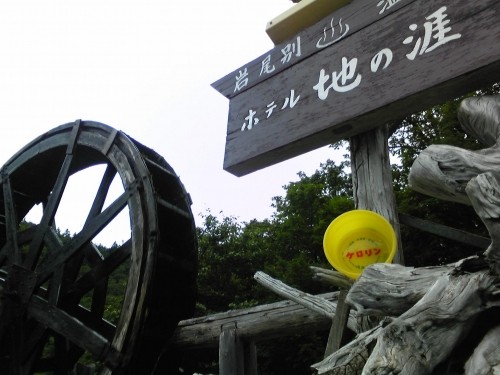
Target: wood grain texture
x,y
428,312
262,322
372,178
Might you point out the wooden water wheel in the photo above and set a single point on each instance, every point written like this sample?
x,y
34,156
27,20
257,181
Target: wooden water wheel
x,y
67,302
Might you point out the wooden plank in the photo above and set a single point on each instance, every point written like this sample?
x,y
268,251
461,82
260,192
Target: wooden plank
x,y
353,86
314,303
445,231
73,330
339,325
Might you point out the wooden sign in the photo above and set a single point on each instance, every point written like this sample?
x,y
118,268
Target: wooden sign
x,y
366,64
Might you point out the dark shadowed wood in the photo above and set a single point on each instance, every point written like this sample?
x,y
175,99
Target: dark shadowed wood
x,y
55,304
444,231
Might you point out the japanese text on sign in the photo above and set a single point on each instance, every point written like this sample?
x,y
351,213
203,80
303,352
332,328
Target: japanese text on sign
x,y
435,32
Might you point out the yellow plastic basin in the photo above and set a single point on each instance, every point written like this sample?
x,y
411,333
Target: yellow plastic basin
x,y
358,238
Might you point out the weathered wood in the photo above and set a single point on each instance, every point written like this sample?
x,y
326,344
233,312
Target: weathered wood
x,y
486,357
420,341
51,329
357,15
338,325
231,359
351,87
317,304
331,277
464,176
373,292
441,230
75,331
444,171
351,358
262,322
425,334
372,178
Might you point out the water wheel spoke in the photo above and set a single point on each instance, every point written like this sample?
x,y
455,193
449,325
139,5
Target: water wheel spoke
x,y
99,298
73,330
78,242
12,247
34,343
55,197
99,324
99,272
102,193
74,265
23,238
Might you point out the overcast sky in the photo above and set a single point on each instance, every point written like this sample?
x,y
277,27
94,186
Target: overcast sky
x,y
144,67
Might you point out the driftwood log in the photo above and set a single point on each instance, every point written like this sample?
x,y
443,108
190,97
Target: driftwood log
x,y
429,314
470,177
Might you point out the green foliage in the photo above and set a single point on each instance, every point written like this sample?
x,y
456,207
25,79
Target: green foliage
x,y
229,255
309,205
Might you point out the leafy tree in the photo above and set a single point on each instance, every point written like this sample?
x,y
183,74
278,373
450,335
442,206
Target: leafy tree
x,y
229,255
301,218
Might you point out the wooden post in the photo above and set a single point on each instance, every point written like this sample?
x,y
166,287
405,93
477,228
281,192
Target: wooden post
x,y
250,353
231,361
339,324
372,178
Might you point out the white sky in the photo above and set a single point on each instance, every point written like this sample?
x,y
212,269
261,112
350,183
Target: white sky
x,y
144,67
